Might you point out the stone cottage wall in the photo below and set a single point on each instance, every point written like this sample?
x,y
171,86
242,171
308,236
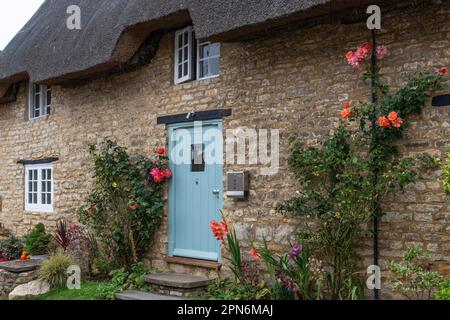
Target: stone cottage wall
x,y
293,80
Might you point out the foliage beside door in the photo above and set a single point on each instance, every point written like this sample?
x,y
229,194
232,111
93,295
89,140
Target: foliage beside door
x,y
125,206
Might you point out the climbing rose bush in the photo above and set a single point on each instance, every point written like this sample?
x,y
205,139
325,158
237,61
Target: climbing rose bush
x,y
125,206
160,171
342,181
359,57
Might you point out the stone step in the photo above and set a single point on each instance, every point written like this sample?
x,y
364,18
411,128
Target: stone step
x,y
143,296
177,280
177,284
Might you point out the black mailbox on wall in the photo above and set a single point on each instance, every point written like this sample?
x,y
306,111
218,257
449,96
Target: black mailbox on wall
x,y
237,185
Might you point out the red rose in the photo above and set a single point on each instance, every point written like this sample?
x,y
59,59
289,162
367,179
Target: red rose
x,y
443,71
167,173
384,122
161,151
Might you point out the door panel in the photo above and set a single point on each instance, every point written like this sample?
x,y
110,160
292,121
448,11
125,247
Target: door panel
x,y
193,204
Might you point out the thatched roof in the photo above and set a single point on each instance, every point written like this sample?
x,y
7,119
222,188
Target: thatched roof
x,y
46,51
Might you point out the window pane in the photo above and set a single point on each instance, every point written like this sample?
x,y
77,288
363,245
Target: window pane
x,y
49,186
180,41
37,105
44,185
214,49
49,174
35,198
214,66
185,54
203,68
30,198
180,56
43,198
180,70
185,69
49,198
43,174
203,51
186,37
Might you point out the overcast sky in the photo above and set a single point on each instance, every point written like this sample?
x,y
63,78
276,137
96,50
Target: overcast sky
x,y
13,16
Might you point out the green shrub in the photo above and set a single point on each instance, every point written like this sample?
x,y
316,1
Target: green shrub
x,y
37,241
122,280
444,291
54,270
230,290
11,248
411,277
126,205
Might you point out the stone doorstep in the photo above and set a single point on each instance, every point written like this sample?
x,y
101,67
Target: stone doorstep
x,y
143,296
177,280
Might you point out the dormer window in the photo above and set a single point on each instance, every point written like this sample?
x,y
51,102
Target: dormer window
x,y
208,60
183,55
195,60
40,101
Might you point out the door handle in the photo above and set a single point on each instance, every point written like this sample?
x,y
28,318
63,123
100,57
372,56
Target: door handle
x,y
216,191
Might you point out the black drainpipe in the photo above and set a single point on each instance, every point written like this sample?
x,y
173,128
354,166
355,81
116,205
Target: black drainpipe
x,y
376,292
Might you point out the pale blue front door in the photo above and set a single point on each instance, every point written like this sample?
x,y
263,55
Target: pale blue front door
x,y
195,195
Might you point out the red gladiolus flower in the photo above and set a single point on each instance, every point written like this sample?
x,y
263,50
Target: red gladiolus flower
x,y
384,122
161,151
443,71
220,230
255,254
346,113
347,105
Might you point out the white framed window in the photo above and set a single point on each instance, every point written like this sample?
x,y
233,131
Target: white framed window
x,y
40,101
39,187
208,60
183,55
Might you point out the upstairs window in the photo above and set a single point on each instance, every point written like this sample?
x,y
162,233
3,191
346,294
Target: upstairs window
x,y
40,101
194,59
183,55
39,188
208,60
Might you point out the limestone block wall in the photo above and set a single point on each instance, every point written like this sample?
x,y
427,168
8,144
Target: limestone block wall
x,y
293,80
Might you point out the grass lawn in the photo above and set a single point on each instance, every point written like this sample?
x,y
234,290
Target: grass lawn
x,y
88,291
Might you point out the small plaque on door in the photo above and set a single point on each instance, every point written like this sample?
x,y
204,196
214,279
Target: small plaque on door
x,y
197,158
